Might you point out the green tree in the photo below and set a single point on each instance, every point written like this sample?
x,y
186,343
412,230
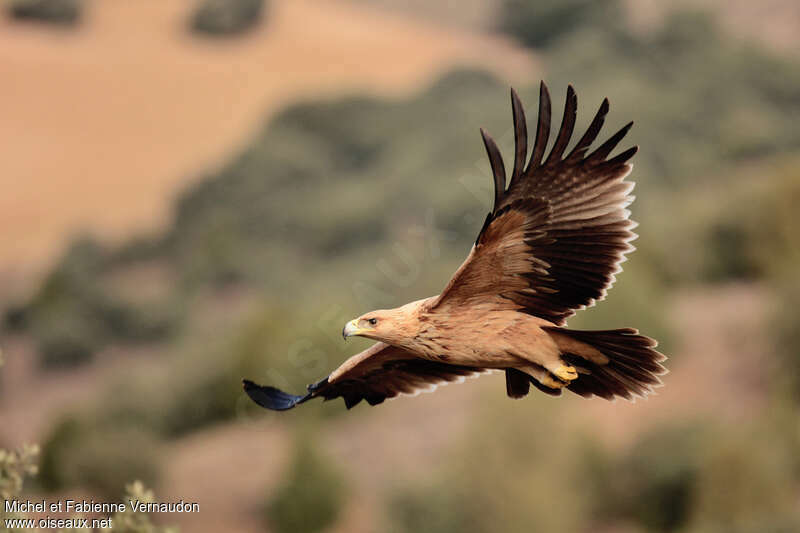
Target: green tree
x,y
311,496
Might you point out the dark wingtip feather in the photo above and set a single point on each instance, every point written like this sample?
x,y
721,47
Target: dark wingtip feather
x,y
272,398
591,132
567,126
602,152
623,156
498,169
520,136
542,128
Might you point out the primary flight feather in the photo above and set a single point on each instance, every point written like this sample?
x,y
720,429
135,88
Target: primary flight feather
x,y
555,237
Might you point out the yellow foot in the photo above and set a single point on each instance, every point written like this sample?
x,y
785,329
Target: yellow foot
x,y
565,372
549,381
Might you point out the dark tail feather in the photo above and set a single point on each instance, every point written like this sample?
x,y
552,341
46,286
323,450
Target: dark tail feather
x,y
517,383
272,398
633,364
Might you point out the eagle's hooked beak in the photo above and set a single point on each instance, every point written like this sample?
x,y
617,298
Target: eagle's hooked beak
x,y
351,328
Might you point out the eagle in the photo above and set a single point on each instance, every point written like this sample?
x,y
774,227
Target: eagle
x,y
551,245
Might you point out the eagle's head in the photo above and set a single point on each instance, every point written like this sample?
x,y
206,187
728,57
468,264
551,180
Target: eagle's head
x,y
393,326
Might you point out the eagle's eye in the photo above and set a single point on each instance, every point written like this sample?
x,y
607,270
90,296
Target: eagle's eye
x,y
372,321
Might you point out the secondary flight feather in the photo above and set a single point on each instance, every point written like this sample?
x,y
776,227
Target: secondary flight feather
x,y
551,245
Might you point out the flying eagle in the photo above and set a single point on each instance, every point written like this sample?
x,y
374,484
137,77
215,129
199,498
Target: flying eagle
x,y
551,245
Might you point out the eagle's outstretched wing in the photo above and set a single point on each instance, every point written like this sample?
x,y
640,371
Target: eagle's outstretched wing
x,y
558,233
381,371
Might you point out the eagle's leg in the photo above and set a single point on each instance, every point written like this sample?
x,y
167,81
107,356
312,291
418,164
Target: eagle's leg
x,y
542,375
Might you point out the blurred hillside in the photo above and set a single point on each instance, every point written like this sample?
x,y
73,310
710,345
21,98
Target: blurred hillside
x,y
339,204
123,110
266,219
776,29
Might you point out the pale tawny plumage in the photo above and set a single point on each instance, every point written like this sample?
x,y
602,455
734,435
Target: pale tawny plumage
x,y
551,245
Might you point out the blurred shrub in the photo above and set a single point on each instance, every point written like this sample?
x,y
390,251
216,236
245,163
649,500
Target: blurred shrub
x,y
542,22
67,342
669,80
16,465
437,508
653,485
311,495
750,232
698,478
756,229
63,12
193,393
785,327
202,385
747,481
513,473
80,454
15,317
199,402
73,314
226,17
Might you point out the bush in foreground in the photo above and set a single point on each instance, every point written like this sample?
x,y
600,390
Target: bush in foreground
x,y
311,496
78,454
226,17
62,12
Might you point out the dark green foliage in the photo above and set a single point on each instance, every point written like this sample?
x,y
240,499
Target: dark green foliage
x,y
66,343
62,12
727,246
267,231
80,454
74,314
15,317
513,473
226,17
542,22
440,508
17,465
786,335
701,100
654,484
201,387
749,232
698,478
67,314
310,497
200,402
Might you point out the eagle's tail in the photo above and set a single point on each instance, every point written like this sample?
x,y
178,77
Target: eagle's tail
x,y
616,363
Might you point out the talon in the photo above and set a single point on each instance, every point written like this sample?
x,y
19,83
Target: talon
x,y
566,373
